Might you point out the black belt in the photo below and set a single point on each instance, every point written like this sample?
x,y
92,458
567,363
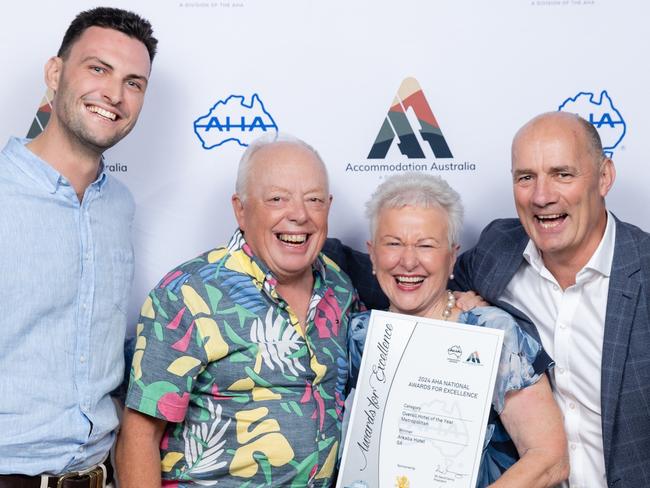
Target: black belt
x,y
90,479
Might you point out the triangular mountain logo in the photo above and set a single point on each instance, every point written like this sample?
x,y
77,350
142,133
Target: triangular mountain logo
x,y
396,124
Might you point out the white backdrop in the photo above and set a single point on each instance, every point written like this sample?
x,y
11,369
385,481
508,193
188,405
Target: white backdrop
x,y
328,71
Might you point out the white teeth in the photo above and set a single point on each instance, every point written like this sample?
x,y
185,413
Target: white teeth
x,y
549,225
293,238
409,279
550,221
102,112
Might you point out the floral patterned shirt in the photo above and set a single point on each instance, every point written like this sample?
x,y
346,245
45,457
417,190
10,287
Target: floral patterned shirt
x,y
250,400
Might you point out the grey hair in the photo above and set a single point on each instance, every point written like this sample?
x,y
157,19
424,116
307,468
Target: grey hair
x,y
418,190
245,166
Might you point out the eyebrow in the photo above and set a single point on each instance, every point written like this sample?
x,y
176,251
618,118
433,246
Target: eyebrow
x,y
132,76
554,169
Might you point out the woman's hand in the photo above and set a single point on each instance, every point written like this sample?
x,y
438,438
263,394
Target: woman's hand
x,y
467,300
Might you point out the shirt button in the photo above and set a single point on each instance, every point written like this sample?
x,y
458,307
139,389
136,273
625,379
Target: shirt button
x,y
560,370
573,447
82,359
556,288
562,326
572,406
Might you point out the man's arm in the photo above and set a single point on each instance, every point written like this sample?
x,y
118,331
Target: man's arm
x,y
358,267
137,454
534,422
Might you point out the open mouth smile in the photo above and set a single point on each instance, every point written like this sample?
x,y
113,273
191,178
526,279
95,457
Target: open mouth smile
x,y
102,112
550,221
292,239
408,281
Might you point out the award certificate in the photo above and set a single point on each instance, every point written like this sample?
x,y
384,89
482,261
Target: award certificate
x,y
421,405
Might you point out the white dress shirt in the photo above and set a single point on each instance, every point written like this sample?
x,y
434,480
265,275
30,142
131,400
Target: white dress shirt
x,y
571,325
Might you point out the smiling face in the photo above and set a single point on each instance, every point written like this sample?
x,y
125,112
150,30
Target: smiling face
x,y
559,188
284,214
412,258
99,87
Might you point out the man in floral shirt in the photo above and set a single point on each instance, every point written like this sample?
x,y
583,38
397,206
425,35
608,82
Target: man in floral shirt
x,y
240,366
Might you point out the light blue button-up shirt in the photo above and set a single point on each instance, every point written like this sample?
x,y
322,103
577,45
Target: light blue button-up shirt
x,y
65,277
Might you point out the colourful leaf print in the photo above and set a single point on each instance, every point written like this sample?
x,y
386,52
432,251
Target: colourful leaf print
x,y
251,399
327,316
204,445
277,345
173,407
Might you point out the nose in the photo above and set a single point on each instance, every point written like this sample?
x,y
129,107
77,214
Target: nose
x,y
297,211
409,259
112,91
544,192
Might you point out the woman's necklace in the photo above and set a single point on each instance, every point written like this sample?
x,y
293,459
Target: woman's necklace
x,y
451,303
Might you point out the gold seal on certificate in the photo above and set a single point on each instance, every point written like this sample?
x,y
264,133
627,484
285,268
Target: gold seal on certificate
x,y
421,405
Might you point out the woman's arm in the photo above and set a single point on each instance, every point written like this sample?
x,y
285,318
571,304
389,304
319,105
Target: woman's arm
x,y
534,422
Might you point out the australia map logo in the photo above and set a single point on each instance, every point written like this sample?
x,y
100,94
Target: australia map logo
x,y
601,112
396,125
233,119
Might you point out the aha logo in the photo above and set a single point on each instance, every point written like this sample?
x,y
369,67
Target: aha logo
x,y
455,351
396,124
601,112
233,119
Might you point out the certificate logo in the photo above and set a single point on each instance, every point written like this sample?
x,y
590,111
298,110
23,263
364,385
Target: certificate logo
x,y
454,352
402,482
473,358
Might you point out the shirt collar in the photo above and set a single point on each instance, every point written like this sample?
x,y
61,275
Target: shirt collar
x,y
600,261
41,171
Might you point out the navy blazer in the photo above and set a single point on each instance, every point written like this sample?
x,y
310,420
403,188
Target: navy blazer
x,y
625,378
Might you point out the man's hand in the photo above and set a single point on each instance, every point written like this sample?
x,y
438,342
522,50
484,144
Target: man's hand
x,y
467,300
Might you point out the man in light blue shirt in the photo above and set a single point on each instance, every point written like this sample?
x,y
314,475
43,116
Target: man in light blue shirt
x,y
66,259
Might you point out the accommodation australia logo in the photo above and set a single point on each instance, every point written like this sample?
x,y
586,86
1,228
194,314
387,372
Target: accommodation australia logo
x,y
411,127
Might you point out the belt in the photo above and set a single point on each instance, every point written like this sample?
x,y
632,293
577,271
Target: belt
x,y
91,478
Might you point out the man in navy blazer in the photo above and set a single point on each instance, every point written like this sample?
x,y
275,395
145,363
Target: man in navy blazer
x,y
583,278
570,270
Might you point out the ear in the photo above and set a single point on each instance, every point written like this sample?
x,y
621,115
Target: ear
x,y
606,177
53,69
238,208
454,255
371,252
